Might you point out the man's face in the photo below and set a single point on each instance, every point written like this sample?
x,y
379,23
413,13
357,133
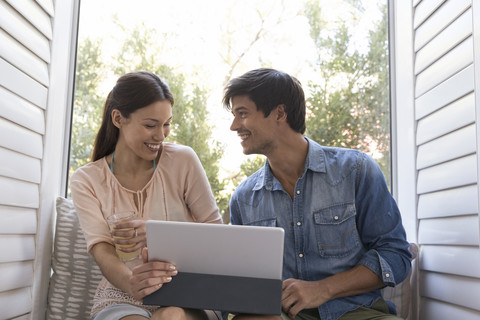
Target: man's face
x,y
254,129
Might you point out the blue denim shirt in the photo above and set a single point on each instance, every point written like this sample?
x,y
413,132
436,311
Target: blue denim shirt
x,y
342,215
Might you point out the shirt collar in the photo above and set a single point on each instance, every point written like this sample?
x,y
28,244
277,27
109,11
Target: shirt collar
x,y
316,157
315,161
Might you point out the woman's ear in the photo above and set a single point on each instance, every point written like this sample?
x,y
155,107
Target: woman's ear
x,y
117,118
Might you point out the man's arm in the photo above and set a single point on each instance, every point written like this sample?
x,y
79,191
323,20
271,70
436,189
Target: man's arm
x,y
298,294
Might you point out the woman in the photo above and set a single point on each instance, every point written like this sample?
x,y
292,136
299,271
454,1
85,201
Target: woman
x,y
133,169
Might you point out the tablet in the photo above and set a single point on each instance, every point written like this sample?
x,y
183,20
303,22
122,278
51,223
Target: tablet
x,y
221,267
243,251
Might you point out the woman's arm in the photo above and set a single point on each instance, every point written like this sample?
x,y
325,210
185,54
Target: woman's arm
x,y
139,282
198,194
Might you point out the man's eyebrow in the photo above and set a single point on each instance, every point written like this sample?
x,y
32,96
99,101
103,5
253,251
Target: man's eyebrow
x,y
240,108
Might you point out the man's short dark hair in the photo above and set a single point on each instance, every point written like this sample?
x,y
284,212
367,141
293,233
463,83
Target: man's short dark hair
x,y
269,88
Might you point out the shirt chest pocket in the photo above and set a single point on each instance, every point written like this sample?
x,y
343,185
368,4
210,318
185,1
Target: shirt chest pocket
x,y
336,231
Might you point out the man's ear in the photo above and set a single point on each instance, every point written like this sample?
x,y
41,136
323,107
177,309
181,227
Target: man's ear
x,y
117,118
281,113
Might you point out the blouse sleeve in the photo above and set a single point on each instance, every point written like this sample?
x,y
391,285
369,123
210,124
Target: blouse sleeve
x,y
88,207
198,193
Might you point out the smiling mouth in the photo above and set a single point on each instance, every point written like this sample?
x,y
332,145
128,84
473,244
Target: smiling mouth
x,y
153,147
244,136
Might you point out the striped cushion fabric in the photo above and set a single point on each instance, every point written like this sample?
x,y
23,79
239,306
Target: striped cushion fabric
x,y
75,274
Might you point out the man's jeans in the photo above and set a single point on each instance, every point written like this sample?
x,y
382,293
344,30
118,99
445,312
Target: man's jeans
x,y
378,311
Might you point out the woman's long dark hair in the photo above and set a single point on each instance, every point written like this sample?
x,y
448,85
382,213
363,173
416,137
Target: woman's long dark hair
x,y
133,91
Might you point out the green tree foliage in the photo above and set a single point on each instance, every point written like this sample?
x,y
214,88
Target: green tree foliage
x,y
87,111
350,107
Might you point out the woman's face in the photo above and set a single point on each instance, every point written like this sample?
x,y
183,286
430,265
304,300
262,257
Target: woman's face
x,y
146,129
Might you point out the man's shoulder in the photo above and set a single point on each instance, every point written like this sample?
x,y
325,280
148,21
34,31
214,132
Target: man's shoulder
x,y
337,163
336,152
250,182
341,156
333,152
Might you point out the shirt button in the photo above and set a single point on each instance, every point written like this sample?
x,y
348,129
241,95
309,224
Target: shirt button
x,y
387,275
299,223
335,218
301,255
298,191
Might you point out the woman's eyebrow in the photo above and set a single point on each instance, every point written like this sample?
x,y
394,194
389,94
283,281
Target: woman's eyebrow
x,y
156,120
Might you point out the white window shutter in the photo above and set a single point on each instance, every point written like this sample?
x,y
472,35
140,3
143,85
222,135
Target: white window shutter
x,y
36,81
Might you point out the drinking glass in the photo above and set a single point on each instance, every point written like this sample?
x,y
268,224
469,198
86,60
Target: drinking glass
x,y
122,217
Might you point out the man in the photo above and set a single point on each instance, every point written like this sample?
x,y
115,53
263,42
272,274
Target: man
x,y
344,238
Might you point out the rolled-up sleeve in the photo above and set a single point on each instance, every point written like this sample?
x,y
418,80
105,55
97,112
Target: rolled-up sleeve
x,y
380,225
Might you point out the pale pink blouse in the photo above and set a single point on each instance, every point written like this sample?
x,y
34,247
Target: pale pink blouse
x,y
178,190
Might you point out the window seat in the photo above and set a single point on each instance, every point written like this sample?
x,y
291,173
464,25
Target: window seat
x,y
76,275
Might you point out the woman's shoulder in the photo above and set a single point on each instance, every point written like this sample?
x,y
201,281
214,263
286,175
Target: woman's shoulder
x,y
173,150
94,169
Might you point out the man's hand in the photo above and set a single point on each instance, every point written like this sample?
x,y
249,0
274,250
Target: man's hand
x,y
298,295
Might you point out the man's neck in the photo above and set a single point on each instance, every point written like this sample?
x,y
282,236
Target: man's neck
x,y
288,161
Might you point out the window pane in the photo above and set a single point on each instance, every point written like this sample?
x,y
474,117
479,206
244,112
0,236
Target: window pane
x,y
337,49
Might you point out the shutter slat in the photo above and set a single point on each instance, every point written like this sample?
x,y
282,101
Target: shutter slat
x,y
22,59
448,91
451,146
19,248
47,5
456,173
465,294
451,202
26,141
16,302
22,112
423,10
15,275
440,19
450,64
448,119
460,231
15,220
437,310
18,82
18,193
462,261
454,34
35,15
20,29
19,166
27,316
